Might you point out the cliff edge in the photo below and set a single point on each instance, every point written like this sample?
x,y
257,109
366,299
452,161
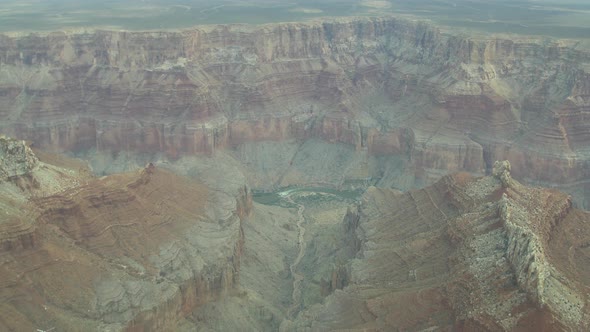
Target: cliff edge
x,y
464,254
133,251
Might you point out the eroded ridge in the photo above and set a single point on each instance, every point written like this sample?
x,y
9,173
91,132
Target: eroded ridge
x,y
133,251
387,88
464,254
153,250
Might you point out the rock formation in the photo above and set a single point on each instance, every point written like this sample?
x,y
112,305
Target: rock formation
x,y
16,159
134,251
464,254
384,87
215,110
150,250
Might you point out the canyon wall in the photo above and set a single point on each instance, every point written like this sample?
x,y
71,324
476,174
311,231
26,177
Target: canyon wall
x,y
137,251
382,86
464,254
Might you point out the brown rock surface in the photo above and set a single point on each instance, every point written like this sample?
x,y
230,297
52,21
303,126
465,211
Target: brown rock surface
x,y
463,254
134,251
385,86
150,250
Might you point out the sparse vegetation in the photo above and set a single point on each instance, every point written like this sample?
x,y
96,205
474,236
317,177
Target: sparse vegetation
x,y
567,20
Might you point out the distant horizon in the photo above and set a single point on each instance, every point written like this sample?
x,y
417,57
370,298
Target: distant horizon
x,y
570,19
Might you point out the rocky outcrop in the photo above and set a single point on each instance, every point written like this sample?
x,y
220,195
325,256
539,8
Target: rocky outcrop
x,y
501,171
528,231
142,250
16,159
386,86
466,253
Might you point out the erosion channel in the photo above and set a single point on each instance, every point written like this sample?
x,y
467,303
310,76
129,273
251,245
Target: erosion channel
x,y
319,213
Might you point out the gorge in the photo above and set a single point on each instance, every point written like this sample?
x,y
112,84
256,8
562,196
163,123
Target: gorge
x,y
388,91
333,174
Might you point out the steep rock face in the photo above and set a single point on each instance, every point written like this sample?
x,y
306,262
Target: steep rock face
x,y
383,85
529,231
486,254
16,159
142,250
23,176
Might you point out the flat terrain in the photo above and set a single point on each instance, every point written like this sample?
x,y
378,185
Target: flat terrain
x,y
34,15
563,19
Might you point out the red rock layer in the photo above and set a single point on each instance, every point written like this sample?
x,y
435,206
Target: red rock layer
x,y
128,252
451,103
464,254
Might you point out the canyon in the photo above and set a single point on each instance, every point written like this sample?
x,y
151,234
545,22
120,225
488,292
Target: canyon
x,y
465,254
150,250
362,173
387,91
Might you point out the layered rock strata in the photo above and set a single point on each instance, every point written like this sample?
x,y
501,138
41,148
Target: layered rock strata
x,y
383,86
137,251
486,254
16,159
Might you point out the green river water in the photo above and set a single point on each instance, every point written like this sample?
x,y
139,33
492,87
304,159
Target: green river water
x,y
306,194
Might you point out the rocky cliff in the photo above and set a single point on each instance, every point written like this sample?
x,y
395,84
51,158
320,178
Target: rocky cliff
x,y
16,159
151,250
382,86
465,254
135,251
23,176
